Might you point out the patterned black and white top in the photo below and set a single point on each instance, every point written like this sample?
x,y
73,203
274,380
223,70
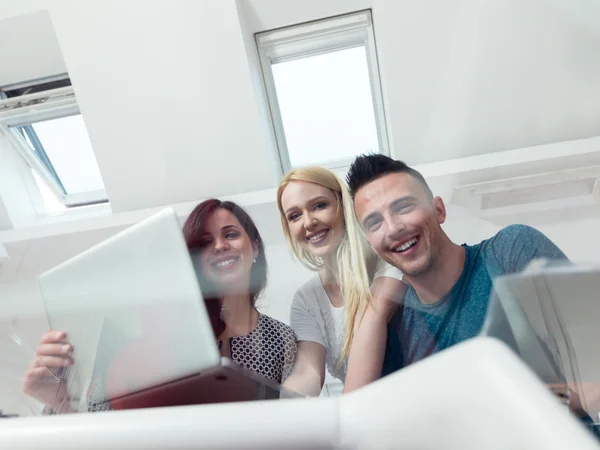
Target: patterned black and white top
x,y
269,349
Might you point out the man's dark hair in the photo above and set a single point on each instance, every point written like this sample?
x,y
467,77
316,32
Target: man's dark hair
x,y
368,168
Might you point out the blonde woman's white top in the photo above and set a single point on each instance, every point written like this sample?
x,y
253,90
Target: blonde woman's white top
x,y
314,319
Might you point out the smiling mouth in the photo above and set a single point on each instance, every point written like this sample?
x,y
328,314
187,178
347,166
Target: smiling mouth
x,y
407,245
224,264
318,237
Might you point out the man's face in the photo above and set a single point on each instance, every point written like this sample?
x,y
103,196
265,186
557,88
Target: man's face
x,y
401,221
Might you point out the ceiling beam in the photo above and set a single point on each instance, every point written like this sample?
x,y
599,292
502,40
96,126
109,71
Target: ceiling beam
x,y
531,161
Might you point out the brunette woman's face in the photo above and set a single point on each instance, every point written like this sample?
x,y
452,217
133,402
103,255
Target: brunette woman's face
x,y
314,217
226,252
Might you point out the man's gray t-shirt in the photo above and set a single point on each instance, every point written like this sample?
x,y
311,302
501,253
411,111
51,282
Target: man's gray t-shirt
x,y
417,330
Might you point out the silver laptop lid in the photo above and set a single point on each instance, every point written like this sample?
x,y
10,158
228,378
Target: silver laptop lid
x,y
132,308
549,314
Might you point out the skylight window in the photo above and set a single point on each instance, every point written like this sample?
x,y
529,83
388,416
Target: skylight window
x,y
324,93
65,149
51,203
44,124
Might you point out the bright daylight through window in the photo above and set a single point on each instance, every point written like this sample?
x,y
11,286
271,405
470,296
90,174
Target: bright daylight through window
x,y
322,83
48,131
68,152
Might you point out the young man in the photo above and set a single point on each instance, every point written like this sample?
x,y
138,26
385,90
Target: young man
x,y
449,284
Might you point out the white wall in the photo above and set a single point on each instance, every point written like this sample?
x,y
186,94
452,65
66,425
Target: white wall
x,y
31,34
468,230
15,177
579,240
286,275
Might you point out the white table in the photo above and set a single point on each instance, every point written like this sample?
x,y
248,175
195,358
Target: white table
x,y
476,395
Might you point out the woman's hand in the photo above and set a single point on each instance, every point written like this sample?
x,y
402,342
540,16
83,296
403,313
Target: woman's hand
x,y
367,352
42,378
308,373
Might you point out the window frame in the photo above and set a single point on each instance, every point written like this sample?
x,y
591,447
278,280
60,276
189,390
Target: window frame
x,y
41,106
315,38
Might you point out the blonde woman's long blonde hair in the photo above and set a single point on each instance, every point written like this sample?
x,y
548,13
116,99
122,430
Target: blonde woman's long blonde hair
x,y
355,260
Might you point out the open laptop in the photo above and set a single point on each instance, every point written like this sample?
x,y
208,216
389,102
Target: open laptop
x,y
549,315
133,310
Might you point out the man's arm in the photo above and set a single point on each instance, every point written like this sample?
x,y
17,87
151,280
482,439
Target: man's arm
x,y
517,245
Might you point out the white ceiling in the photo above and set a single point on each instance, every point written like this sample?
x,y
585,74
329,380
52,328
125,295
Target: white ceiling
x,y
479,77
28,55
171,95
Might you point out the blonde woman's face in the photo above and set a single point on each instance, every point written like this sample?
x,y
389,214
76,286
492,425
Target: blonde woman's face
x,y
314,218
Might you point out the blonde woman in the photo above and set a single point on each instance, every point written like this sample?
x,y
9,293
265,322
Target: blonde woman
x,y
318,221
